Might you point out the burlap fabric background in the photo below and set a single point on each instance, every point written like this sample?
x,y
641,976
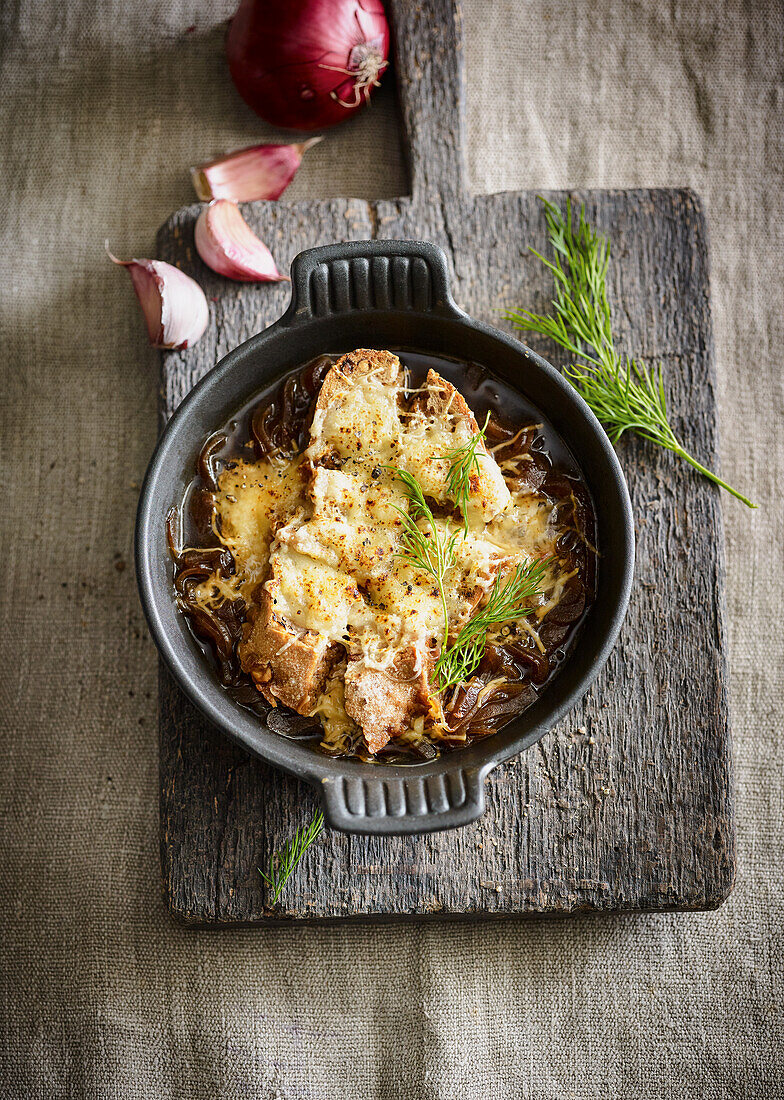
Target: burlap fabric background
x,y
103,108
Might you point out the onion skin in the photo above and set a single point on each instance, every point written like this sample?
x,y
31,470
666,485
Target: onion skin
x,y
258,172
228,245
173,303
296,62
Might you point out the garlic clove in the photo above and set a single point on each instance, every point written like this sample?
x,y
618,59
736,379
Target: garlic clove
x,y
228,245
259,172
173,304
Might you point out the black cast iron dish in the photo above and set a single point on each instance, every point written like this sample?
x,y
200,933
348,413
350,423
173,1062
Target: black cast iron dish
x,y
382,294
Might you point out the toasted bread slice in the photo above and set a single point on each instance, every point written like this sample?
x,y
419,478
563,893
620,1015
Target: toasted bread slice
x,y
354,522
384,704
287,666
356,416
303,610
354,366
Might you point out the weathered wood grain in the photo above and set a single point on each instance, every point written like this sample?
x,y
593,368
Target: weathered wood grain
x,y
628,803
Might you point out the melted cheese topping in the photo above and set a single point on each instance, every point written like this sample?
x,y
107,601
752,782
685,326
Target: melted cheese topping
x,y
339,730
326,544
421,450
355,523
312,595
360,420
365,420
353,539
253,499
528,526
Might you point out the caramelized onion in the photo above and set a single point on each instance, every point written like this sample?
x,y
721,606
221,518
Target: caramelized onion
x,y
204,465
280,426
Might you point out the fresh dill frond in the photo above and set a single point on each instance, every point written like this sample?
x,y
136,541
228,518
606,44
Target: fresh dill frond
x,y
623,393
283,862
459,661
463,465
433,552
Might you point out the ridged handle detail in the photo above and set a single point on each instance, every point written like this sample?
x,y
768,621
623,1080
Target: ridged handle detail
x,y
405,276
408,804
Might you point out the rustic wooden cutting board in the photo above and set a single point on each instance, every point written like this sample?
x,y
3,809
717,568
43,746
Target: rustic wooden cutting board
x,y
627,804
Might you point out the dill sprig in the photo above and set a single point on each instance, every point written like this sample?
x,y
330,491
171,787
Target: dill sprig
x,y
283,862
463,465
624,394
434,554
460,660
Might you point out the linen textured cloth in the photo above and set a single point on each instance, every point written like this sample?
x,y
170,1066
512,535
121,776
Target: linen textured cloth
x,y
103,108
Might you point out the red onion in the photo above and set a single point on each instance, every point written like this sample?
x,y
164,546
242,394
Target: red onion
x,y
307,64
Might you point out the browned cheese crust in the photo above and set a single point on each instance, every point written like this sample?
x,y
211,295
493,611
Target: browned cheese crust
x,y
349,367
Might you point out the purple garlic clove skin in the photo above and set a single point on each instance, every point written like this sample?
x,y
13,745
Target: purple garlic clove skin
x,y
259,172
228,245
173,303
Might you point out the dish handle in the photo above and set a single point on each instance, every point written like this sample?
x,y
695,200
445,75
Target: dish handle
x,y
406,804
363,276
